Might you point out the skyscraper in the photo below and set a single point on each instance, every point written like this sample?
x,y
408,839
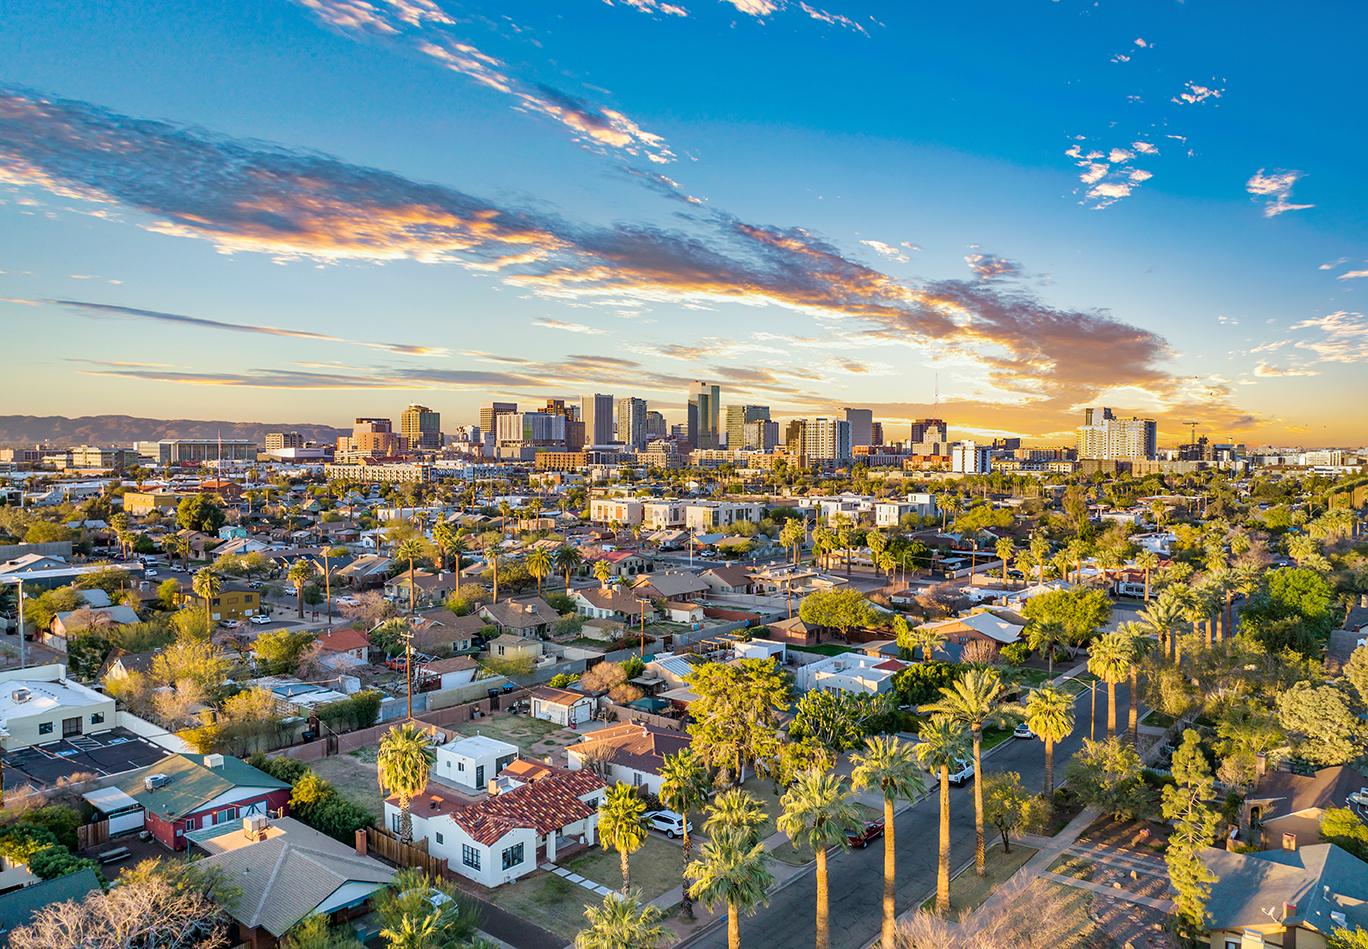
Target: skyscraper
x,y
1104,436
655,425
489,415
861,426
421,426
929,436
704,409
737,418
824,439
597,412
631,422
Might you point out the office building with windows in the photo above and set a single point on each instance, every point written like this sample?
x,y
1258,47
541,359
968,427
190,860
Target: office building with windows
x,y
704,415
421,427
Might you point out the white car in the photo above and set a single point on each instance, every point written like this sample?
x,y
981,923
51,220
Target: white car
x,y
346,601
1022,730
230,624
961,772
668,823
150,572
260,619
1359,797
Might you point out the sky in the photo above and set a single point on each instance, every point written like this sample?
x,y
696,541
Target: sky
x,y
993,213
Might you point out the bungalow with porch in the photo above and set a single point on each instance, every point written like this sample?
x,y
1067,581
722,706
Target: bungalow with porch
x,y
629,754
670,585
598,603
429,589
529,616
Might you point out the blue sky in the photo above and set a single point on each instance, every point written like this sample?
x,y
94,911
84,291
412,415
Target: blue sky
x,y
308,211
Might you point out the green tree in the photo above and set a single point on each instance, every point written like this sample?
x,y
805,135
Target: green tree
x,y
732,869
411,550
1186,803
1108,775
539,565
1323,726
684,788
622,826
199,512
403,763
1342,827
889,765
568,560
817,811
835,720
1355,938
792,535
621,922
944,744
738,810
1050,716
1008,806
1109,658
417,912
315,932
736,715
207,586
840,609
279,651
975,700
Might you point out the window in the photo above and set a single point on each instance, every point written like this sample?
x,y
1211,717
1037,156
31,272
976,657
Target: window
x,y
470,856
460,765
226,815
45,728
394,822
96,718
438,835
512,856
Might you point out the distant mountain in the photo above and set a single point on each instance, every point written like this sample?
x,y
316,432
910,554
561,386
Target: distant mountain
x,y
22,431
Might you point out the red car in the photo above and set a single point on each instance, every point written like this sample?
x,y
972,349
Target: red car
x,y
862,838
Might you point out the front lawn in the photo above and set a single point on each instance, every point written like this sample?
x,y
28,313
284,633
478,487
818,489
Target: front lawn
x,y
824,649
551,902
968,889
656,867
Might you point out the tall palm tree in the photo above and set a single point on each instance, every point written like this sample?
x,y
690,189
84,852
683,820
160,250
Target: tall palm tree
x,y
1162,616
684,788
737,809
733,869
818,811
622,825
505,512
410,549
207,586
1004,548
888,764
928,639
1139,643
1109,658
568,560
1147,560
602,572
493,558
300,573
974,700
944,742
402,766
1050,716
443,538
621,922
539,565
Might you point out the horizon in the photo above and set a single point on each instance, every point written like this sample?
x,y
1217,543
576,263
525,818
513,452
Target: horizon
x,y
330,209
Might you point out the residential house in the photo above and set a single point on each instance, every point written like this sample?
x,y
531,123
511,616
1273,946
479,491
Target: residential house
x,y
1286,807
505,836
629,754
470,762
120,664
40,704
429,589
850,672
187,792
565,707
19,906
508,646
527,616
996,625
794,631
1289,897
365,572
283,871
343,647
66,623
451,673
621,563
437,631
600,603
682,611
236,601
728,580
670,585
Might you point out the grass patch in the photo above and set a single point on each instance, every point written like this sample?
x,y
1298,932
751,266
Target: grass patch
x,y
553,903
1030,677
354,778
968,889
656,867
992,737
825,649
521,730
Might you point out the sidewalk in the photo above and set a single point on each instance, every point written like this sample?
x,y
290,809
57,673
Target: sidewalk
x,y
1048,850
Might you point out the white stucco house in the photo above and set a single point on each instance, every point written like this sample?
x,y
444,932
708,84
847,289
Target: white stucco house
x,y
40,705
851,672
473,761
505,836
565,707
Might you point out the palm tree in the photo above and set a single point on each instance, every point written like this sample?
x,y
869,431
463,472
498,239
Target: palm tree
x,y
493,558
944,742
568,560
1045,637
732,869
1050,716
974,700
738,810
1147,560
684,788
622,825
792,535
1004,548
928,639
1109,658
1139,644
602,572
411,932
299,575
505,512
539,565
207,586
444,538
621,922
402,765
411,549
1162,617
888,764
818,812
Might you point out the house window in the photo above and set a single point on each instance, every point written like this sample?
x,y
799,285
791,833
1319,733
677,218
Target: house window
x,y
226,815
470,856
96,718
460,766
438,835
512,856
394,822
45,728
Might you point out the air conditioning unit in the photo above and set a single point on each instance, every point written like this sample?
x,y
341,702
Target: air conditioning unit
x,y
154,781
21,695
213,761
254,827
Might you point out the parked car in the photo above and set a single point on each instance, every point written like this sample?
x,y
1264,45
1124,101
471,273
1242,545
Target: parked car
x,y
230,624
668,823
961,772
260,619
149,571
1022,730
862,837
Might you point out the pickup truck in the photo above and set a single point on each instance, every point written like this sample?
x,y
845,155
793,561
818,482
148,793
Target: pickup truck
x,y
960,772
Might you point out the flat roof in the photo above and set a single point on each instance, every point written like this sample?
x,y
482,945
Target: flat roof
x,y
109,752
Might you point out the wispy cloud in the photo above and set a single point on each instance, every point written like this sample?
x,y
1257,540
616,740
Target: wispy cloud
x,y
887,250
1353,275
988,266
582,328
1276,185
1264,371
652,6
1108,176
1195,93
1343,339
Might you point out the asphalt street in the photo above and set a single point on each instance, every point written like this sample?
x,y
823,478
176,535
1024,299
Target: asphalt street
x,y
856,876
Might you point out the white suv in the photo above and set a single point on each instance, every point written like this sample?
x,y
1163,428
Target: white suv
x,y
960,772
667,822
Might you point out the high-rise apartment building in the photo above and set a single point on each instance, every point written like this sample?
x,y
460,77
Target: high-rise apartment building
x,y
704,413
520,434
824,440
1104,436
876,436
929,436
371,438
596,411
276,440
861,426
489,415
655,426
631,422
738,416
421,427
574,426
760,435
969,458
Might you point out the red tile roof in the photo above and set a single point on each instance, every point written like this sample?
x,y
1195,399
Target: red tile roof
x,y
344,639
890,665
546,806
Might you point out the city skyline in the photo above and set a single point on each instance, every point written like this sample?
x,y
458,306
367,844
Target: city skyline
x,y
997,222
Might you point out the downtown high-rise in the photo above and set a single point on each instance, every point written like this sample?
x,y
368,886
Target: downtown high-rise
x,y
704,415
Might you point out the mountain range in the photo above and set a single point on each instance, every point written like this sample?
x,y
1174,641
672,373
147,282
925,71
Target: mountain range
x,y
22,431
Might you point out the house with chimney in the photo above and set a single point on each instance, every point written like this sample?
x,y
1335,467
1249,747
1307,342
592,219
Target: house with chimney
x,y
630,753
530,617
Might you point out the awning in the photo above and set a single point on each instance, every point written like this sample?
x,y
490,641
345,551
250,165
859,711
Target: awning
x,y
111,801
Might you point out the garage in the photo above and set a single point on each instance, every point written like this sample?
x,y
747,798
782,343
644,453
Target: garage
x,y
124,814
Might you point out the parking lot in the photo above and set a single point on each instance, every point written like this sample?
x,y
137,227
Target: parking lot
x,y
111,752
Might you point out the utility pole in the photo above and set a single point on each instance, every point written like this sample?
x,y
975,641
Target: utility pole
x,y
1092,724
408,665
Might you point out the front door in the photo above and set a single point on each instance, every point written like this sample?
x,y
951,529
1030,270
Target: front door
x,y
71,726
479,775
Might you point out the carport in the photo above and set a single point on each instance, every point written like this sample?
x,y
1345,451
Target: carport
x,y
125,815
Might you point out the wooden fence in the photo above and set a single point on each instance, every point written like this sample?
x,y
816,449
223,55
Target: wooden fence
x,y
374,842
92,835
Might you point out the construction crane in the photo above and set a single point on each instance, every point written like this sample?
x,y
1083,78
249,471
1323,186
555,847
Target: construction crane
x,y
1192,426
